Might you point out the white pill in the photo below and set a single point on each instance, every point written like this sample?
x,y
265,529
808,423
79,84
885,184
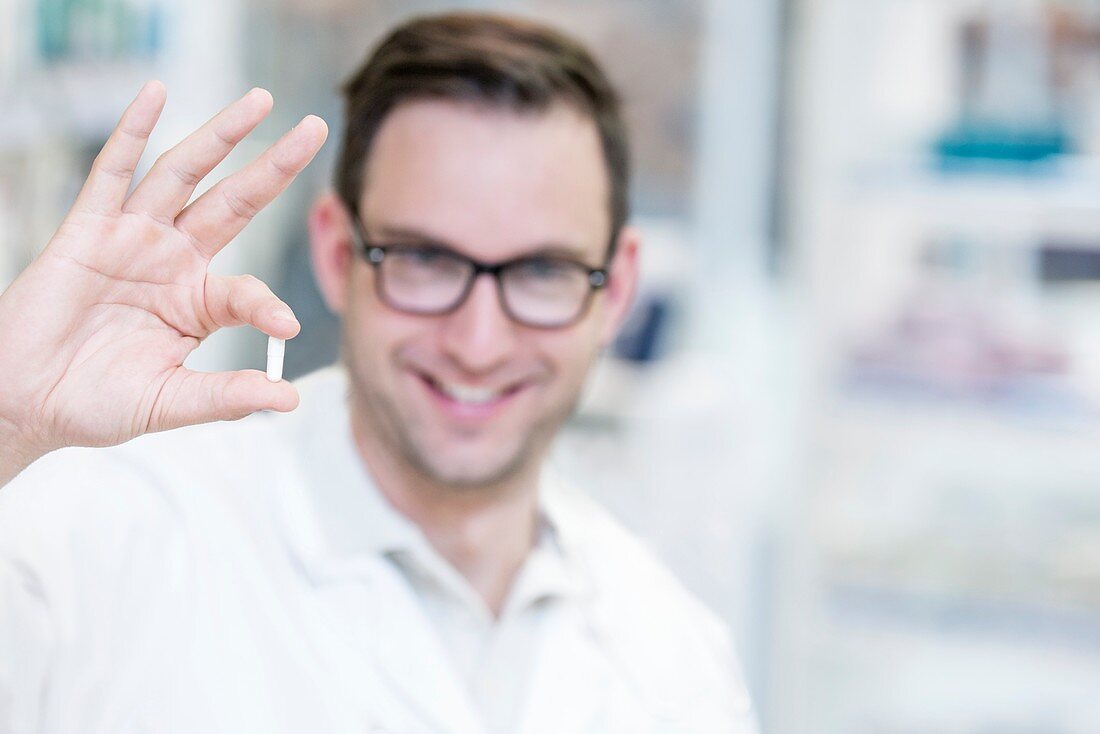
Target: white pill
x,y
276,348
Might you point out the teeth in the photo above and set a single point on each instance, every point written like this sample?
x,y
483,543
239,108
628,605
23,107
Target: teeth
x,y
467,394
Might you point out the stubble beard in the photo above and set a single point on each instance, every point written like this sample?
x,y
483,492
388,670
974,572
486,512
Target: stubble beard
x,y
383,421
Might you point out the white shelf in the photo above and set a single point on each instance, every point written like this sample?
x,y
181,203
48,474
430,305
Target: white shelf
x,y
71,101
1066,186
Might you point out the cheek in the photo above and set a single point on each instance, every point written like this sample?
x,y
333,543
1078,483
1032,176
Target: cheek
x,y
570,354
603,327
371,332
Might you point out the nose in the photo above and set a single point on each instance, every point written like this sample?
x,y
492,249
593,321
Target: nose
x,y
478,335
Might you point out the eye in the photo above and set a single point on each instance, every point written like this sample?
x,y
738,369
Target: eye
x,y
427,258
424,255
545,269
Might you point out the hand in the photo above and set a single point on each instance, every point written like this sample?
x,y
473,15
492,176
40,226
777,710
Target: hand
x,y
94,333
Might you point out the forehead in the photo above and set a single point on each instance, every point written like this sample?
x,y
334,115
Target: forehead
x,y
492,182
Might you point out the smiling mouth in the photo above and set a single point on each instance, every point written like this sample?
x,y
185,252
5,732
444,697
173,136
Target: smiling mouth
x,y
469,394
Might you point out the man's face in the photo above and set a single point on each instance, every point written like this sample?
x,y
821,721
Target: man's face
x,y
471,397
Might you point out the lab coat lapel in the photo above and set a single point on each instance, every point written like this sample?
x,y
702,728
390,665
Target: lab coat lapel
x,y
410,656
569,677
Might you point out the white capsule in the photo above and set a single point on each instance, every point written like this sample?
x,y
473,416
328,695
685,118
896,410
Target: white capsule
x,y
276,348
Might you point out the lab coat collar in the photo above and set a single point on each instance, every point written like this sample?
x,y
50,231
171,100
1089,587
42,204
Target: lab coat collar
x,y
341,525
341,529
635,613
342,520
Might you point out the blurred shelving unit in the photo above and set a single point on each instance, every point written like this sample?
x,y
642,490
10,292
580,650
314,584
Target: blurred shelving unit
x,y
68,71
946,234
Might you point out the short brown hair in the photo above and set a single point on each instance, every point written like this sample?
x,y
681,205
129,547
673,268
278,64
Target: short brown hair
x,y
485,59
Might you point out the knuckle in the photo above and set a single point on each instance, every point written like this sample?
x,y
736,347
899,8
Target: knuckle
x,y
186,177
283,169
246,298
249,281
133,132
104,165
240,206
226,140
224,395
254,288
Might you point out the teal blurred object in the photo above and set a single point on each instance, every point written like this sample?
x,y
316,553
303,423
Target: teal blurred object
x,y
99,30
969,143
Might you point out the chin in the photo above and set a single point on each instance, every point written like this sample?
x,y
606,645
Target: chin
x,y
467,472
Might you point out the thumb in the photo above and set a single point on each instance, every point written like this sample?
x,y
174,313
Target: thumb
x,y
201,397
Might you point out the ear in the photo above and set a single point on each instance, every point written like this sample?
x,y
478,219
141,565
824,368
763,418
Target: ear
x,y
622,283
331,249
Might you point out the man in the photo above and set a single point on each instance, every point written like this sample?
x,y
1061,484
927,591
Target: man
x,y
391,556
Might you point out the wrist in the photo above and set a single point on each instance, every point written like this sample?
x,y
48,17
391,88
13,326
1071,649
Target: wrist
x,y
16,452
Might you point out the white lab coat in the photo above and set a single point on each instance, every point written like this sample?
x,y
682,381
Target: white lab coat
x,y
213,580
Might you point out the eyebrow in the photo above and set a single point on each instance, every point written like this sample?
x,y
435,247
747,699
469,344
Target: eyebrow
x,y
547,249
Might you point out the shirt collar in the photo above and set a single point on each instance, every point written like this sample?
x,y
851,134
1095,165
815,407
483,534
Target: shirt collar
x,y
543,576
546,572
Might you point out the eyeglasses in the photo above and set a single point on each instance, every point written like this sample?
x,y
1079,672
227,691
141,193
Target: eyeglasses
x,y
542,291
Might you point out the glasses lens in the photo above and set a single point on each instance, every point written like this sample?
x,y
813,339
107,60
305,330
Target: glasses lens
x,y
544,291
423,279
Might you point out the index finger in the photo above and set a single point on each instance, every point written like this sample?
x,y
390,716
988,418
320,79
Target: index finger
x,y
113,169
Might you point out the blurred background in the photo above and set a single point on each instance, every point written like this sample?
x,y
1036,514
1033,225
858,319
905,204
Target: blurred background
x,y
857,407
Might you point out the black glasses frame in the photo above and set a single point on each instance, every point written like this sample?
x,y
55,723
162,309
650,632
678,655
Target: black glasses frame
x,y
374,253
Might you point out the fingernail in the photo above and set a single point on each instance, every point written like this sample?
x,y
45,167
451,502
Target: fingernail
x,y
284,315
